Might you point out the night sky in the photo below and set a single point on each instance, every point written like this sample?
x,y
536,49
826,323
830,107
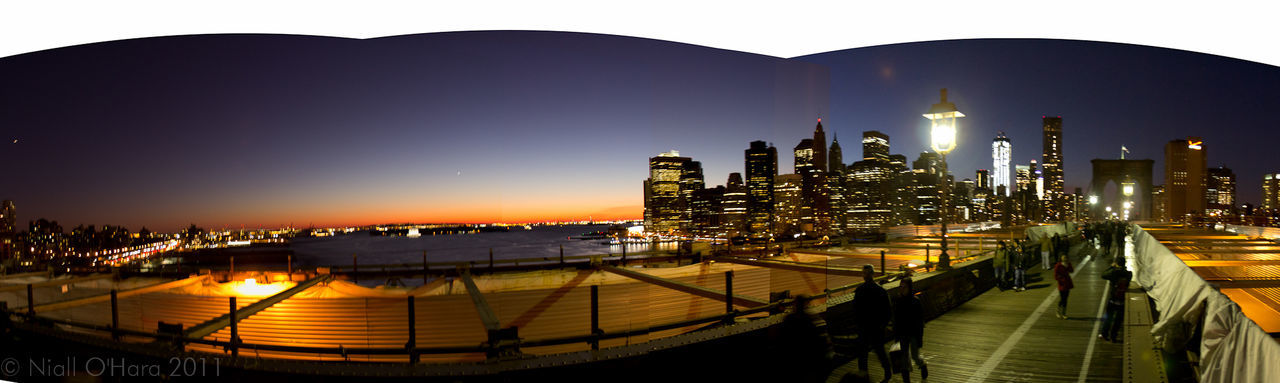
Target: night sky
x,y
264,131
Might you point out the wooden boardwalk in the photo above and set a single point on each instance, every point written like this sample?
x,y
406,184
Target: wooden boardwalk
x,y
1012,336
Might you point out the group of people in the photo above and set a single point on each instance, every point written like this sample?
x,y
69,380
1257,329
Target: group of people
x,y
874,307
876,310
1013,260
1107,236
811,350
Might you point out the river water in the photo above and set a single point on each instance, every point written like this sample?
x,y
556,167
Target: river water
x,y
539,242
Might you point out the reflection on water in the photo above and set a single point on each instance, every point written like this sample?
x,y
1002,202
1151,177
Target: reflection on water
x,y
540,242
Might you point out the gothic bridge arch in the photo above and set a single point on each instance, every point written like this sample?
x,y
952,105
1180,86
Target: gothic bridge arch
x,y
1120,171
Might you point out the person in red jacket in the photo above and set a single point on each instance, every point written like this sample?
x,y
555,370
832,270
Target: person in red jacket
x,y
1062,272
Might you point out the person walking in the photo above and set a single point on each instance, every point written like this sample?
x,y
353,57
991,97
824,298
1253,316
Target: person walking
x,y
1046,249
1000,263
803,345
908,327
1112,320
1018,259
871,303
1119,240
1062,272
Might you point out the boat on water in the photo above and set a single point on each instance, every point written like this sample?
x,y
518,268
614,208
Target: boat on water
x,y
592,235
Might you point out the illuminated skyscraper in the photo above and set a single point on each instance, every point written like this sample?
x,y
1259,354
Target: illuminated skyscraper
x,y
982,179
8,217
1159,204
1220,192
1271,192
8,229
811,165
1053,190
836,186
875,146
1184,174
762,166
669,192
1001,157
788,207
734,217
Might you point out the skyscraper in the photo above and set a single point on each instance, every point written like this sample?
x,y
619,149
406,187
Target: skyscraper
x,y
8,217
788,207
734,207
1220,191
836,186
811,166
8,229
1001,157
835,158
668,192
1184,174
761,166
1271,192
875,146
1053,182
982,179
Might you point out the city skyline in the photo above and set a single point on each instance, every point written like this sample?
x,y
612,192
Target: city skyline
x,y
561,147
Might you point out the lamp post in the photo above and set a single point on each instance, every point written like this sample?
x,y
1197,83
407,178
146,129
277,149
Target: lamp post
x,y
942,121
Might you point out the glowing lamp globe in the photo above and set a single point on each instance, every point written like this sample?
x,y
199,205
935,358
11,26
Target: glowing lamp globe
x,y
942,120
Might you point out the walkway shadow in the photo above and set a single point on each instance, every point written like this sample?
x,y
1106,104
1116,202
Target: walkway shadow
x,y
1086,319
1038,286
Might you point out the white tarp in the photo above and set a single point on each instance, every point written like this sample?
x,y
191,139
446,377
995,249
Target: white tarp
x,y
1232,347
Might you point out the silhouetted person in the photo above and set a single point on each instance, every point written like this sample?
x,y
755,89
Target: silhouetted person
x,y
1000,263
908,327
1062,272
872,310
804,348
1046,250
1114,316
1018,258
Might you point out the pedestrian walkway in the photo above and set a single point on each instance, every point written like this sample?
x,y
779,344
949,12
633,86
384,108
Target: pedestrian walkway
x,y
1010,336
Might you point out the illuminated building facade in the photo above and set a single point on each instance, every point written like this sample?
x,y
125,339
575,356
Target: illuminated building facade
x,y
762,167
1184,174
873,187
811,165
706,207
1159,204
902,202
788,209
870,191
1053,187
875,146
8,229
734,207
927,185
1220,191
669,191
982,179
836,186
1001,157
1271,192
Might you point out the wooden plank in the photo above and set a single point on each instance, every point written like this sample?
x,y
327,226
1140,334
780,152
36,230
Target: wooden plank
x,y
213,325
739,300
487,316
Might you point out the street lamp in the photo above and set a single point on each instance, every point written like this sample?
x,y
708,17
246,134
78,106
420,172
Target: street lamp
x,y
942,121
